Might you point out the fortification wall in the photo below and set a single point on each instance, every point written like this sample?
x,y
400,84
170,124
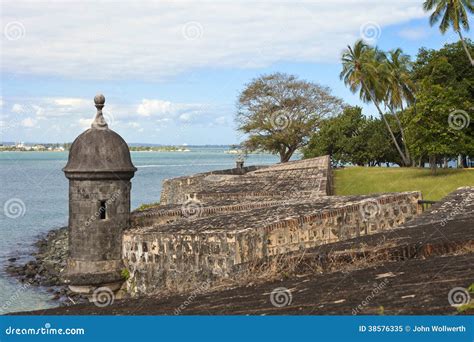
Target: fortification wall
x,y
183,254
297,179
177,190
161,215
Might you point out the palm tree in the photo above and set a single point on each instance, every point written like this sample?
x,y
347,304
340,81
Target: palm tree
x,y
451,13
364,71
400,88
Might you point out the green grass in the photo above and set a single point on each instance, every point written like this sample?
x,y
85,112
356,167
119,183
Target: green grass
x,y
369,180
147,206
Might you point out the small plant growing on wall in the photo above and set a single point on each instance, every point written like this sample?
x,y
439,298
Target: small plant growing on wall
x,y
125,274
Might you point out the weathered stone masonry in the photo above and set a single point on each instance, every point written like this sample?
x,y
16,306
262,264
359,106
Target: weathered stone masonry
x,y
311,177
166,249
208,226
99,170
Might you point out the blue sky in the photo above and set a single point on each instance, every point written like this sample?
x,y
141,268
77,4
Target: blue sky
x,y
171,71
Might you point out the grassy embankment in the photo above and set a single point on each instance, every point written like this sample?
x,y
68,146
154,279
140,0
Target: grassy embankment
x,y
369,180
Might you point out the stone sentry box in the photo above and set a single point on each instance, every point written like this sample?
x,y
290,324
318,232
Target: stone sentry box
x,y
99,170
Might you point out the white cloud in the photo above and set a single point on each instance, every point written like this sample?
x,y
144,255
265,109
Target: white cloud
x,y
85,123
134,124
154,40
414,33
28,122
27,108
71,102
78,113
186,117
161,123
154,107
221,120
165,111
50,107
17,108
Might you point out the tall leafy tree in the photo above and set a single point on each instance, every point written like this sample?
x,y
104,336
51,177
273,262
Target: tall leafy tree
x,y
431,130
441,126
279,112
353,138
365,70
451,13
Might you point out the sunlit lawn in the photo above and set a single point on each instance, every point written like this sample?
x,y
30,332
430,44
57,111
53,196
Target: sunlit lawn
x,y
369,180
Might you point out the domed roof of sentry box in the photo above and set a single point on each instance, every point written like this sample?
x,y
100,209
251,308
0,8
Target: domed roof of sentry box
x,y
99,149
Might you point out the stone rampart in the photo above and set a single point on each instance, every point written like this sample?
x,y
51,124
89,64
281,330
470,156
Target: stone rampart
x,y
303,178
180,254
176,190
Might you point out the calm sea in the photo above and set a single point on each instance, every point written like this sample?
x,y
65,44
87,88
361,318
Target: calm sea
x,y
34,200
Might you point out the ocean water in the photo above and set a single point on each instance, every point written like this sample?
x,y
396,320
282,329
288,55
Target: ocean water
x,y
34,200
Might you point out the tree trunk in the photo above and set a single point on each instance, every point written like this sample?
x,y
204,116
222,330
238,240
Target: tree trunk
x,y
465,48
402,131
285,154
405,162
432,159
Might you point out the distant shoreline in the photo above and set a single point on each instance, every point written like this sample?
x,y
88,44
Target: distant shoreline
x,y
68,151
30,151
231,152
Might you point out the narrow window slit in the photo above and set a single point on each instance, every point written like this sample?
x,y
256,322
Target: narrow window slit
x,y
103,210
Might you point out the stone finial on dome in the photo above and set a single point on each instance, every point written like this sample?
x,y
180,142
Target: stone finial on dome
x,y
99,121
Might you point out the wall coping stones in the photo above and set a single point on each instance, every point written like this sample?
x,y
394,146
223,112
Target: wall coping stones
x,y
299,210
